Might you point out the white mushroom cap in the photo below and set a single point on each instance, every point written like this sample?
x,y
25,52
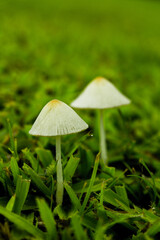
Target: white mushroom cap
x,y
100,94
57,118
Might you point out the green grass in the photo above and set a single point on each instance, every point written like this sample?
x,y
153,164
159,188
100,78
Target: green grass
x,y
53,49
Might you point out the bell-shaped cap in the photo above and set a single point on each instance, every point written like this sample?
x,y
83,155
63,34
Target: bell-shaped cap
x,y
100,94
57,118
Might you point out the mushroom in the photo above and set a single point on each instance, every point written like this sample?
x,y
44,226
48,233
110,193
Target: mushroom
x,y
100,94
57,119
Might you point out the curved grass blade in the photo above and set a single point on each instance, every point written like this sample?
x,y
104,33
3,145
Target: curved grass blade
x,y
47,217
22,223
37,180
93,177
72,195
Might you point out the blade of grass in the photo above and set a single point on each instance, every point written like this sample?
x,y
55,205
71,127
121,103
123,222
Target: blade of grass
x,y
47,217
22,189
13,142
77,187
121,191
117,179
71,167
37,180
153,181
78,229
100,230
149,216
2,154
22,223
10,203
61,212
82,191
72,195
14,169
102,193
93,177
29,156
77,144
109,171
114,199
89,220
154,229
45,156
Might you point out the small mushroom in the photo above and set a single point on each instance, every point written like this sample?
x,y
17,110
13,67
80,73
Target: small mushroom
x,y
57,119
100,94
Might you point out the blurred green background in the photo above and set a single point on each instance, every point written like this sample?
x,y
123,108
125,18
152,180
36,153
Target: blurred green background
x,y
53,49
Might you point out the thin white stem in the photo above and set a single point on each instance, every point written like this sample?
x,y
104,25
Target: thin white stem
x,y
59,193
103,146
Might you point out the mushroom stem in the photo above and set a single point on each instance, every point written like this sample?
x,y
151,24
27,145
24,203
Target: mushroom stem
x,y
103,146
59,193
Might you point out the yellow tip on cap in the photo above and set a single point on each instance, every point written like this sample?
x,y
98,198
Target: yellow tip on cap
x,y
98,79
54,102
